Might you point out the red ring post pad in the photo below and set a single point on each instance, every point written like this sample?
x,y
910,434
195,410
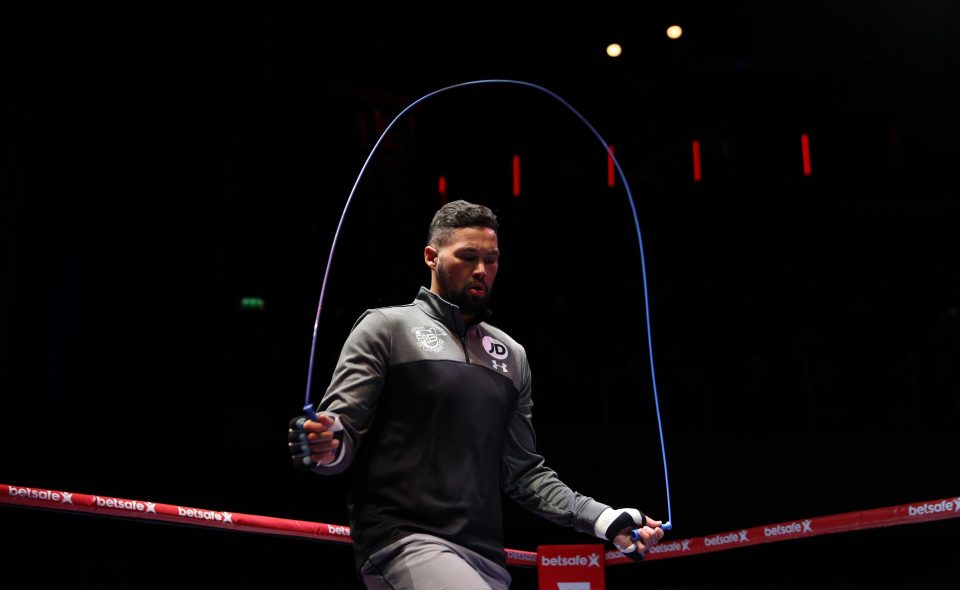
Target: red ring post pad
x,y
916,512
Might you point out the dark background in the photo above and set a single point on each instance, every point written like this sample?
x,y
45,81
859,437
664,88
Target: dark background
x,y
162,162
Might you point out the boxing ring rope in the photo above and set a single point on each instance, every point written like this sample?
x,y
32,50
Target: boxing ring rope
x,y
901,514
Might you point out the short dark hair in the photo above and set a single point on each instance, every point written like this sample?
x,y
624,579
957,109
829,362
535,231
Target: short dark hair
x,y
456,214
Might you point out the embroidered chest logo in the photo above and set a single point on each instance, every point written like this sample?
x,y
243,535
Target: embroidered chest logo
x,y
429,338
498,351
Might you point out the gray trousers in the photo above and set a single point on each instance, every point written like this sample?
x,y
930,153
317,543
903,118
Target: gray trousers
x,y
425,562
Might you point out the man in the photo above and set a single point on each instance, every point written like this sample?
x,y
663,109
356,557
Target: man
x,y
430,407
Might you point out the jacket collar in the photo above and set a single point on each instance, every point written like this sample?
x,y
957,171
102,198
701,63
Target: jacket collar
x,y
447,312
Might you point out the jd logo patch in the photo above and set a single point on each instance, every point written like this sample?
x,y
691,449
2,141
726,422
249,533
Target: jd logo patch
x,y
494,347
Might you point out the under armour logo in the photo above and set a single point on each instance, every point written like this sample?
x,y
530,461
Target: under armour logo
x,y
500,366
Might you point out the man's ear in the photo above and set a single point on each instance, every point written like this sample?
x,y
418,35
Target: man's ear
x,y
430,257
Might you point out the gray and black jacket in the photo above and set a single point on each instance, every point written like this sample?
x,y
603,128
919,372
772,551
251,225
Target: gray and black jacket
x,y
436,420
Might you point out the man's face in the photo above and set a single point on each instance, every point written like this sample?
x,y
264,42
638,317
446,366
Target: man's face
x,y
465,268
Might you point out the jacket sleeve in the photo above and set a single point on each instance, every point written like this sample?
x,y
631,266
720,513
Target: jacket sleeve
x,y
356,384
533,485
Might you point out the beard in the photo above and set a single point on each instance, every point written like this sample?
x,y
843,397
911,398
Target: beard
x,y
460,296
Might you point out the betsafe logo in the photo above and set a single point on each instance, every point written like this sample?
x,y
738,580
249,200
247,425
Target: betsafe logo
x,y
592,560
571,567
942,506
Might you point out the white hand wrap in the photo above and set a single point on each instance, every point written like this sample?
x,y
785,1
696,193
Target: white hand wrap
x,y
612,521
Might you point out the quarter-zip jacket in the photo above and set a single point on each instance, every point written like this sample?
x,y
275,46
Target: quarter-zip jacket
x,y
436,420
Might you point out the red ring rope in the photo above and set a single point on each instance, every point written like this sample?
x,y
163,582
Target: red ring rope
x,y
916,512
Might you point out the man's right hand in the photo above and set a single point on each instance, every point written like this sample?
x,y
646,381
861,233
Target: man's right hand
x,y
313,442
616,526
